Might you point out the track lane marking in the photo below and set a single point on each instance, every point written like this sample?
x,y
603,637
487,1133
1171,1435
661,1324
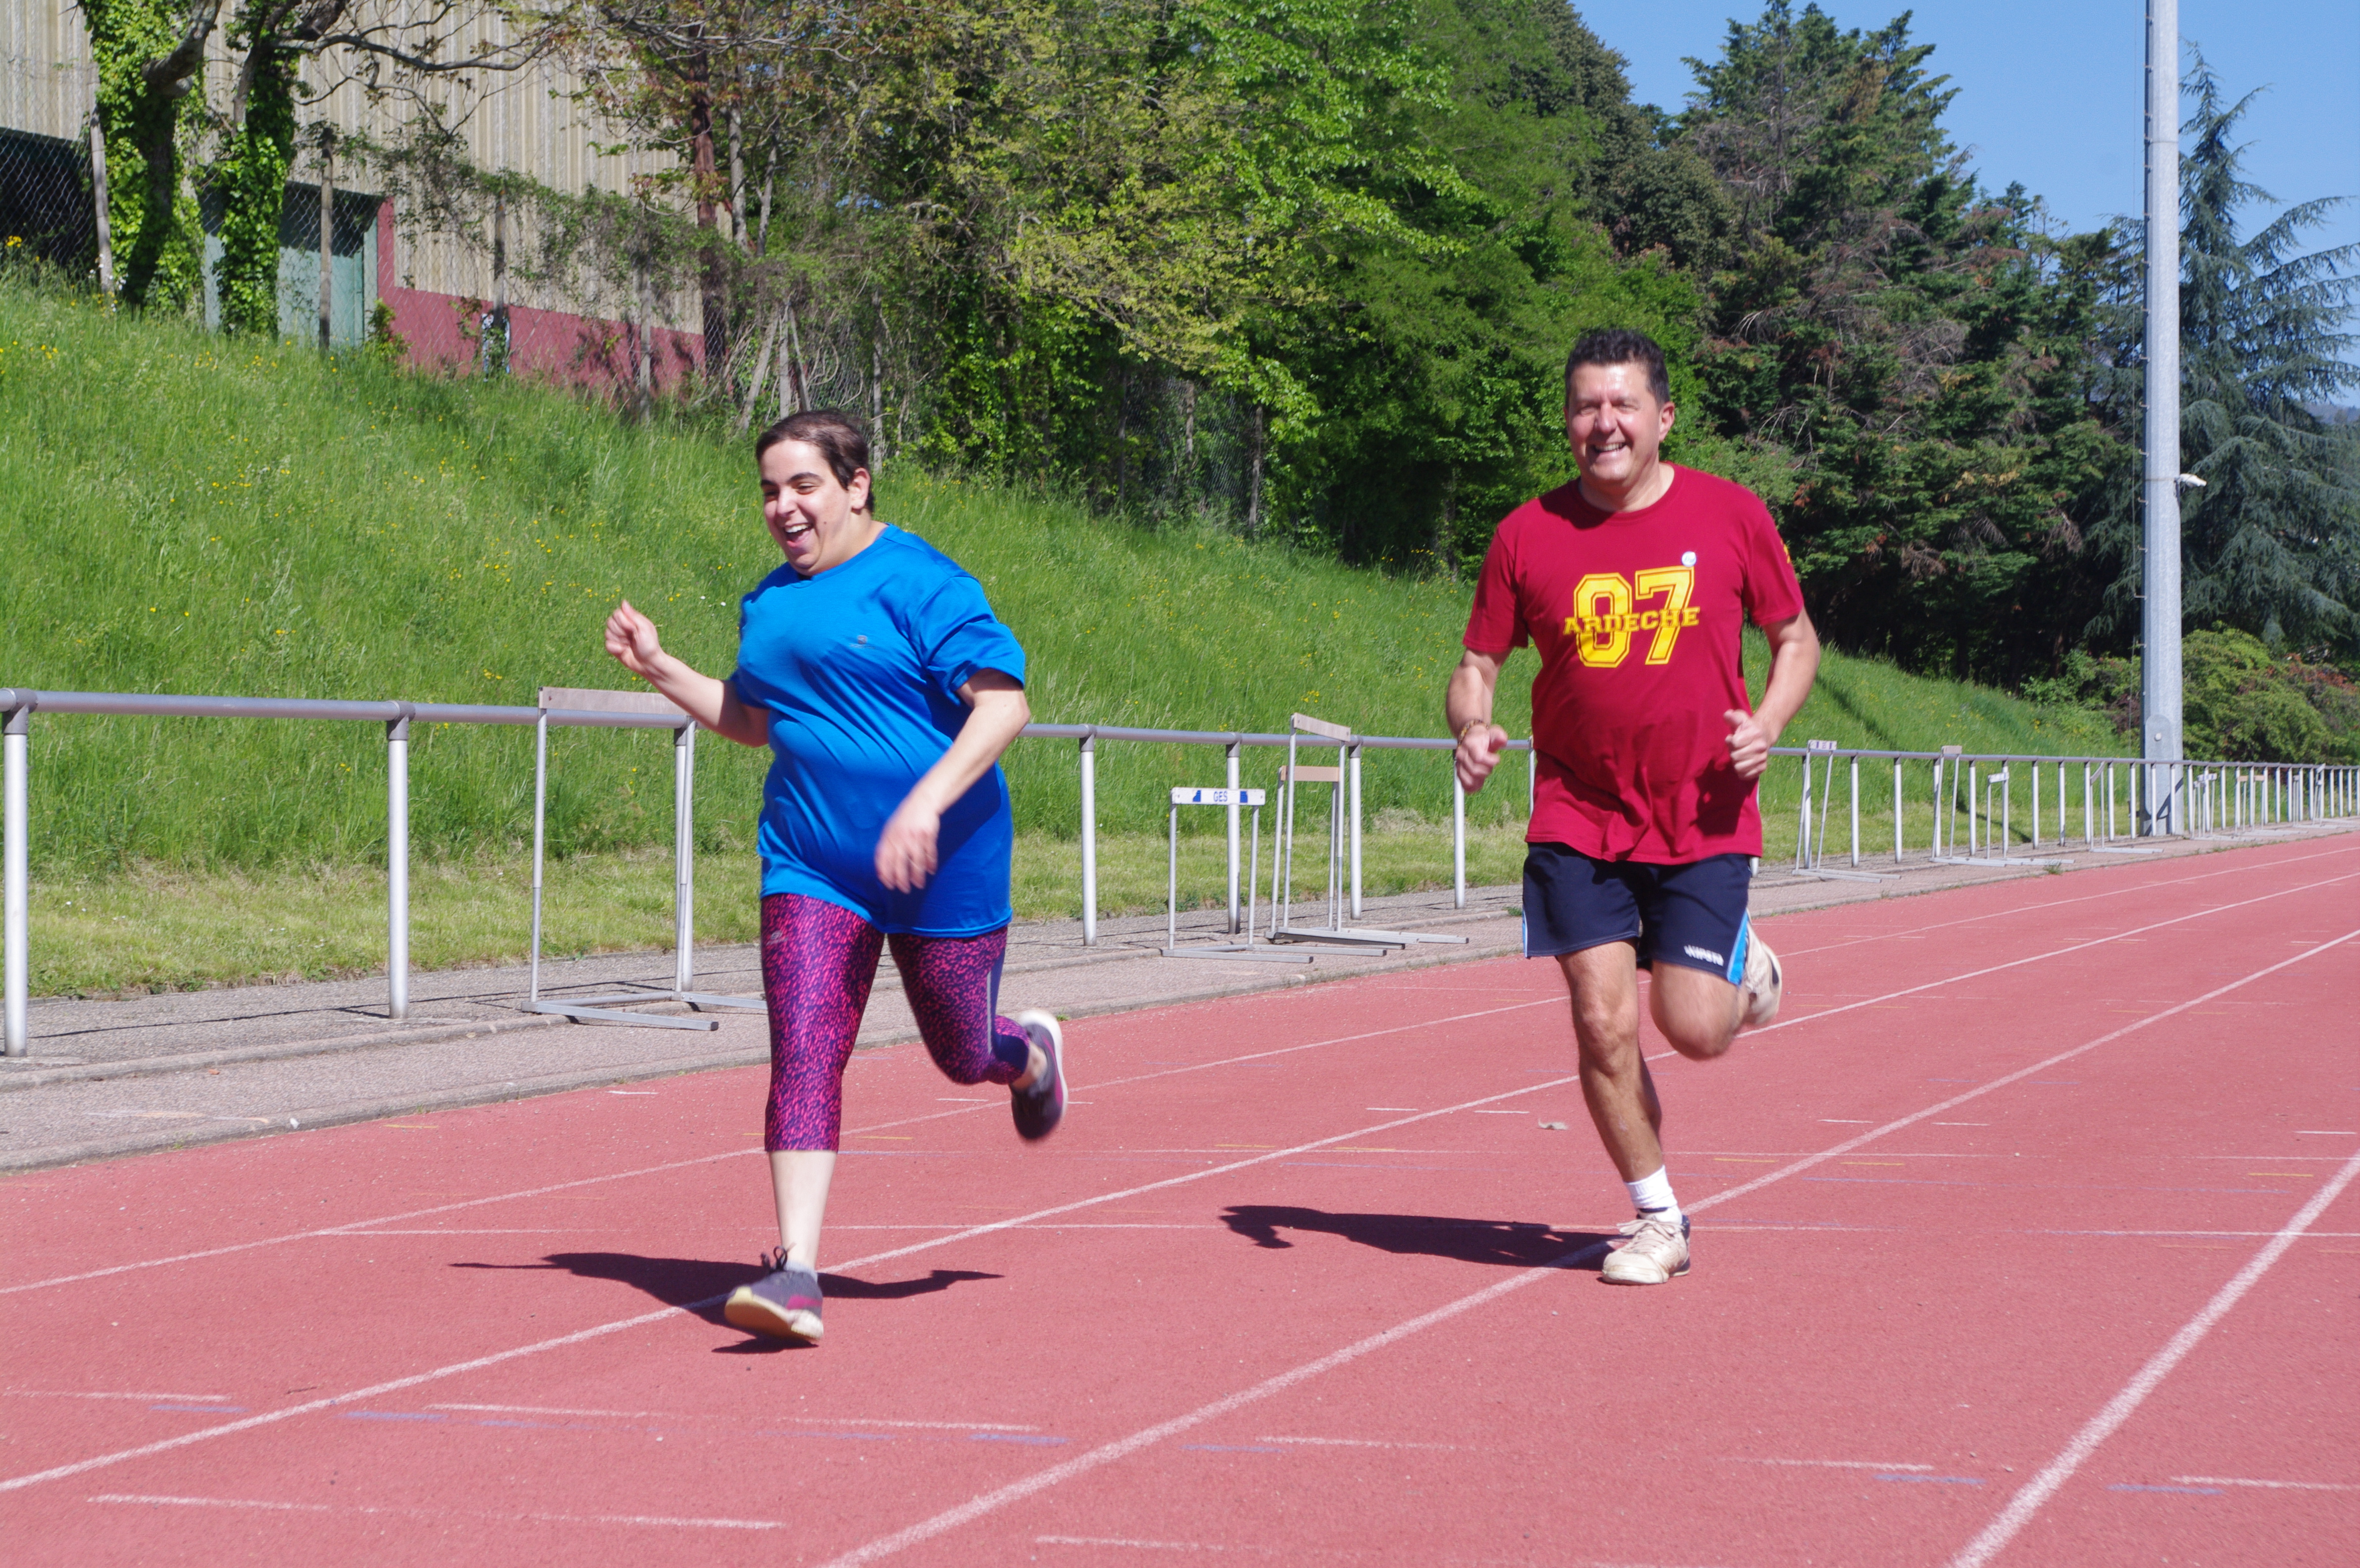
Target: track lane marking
x,y
1915,931
582,1336
2274,1486
364,1226
1110,1084
2011,1519
1105,1453
2062,952
1807,1161
1570,1259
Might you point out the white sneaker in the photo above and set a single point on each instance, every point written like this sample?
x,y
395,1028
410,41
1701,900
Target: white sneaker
x,y
1656,1252
1765,982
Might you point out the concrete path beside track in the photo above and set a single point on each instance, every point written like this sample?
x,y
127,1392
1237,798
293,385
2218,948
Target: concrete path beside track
x,y
114,1078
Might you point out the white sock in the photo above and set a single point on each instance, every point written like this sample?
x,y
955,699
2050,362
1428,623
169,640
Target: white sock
x,y
1653,1193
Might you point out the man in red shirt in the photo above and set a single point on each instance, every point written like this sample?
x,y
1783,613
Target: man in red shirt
x,y
1634,584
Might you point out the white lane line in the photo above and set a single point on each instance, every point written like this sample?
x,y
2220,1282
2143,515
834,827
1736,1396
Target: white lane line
x,y
709,1159
2053,953
600,1331
1847,1145
918,1426
2124,891
2273,1486
2118,1410
988,1502
1827,1464
559,1410
1137,1078
1284,1379
1360,1442
385,1220
1149,1545
1107,1454
249,1503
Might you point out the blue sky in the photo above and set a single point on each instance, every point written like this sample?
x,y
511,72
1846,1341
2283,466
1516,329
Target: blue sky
x,y
2051,91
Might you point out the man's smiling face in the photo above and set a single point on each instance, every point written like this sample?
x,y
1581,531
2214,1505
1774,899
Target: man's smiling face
x,y
1615,425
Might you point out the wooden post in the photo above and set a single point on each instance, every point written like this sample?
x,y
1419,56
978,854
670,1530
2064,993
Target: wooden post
x,y
1254,476
647,361
499,321
327,236
98,198
791,365
877,398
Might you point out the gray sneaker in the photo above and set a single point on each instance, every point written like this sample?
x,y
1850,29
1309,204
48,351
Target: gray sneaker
x,y
1040,1107
1656,1252
783,1303
1765,982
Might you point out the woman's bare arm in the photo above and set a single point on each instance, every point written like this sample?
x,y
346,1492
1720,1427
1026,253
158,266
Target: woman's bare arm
x,y
631,639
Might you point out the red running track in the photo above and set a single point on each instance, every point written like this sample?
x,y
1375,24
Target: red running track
x,y
2024,1237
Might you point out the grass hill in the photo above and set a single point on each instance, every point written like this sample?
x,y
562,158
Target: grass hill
x,y
182,512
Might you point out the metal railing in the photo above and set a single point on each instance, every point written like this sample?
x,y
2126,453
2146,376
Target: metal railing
x,y
2187,798
2121,800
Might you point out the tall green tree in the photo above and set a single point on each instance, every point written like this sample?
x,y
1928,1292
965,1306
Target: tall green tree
x,y
2272,542
1911,345
1438,356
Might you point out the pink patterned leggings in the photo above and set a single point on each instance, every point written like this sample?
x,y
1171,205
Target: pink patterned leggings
x,y
818,963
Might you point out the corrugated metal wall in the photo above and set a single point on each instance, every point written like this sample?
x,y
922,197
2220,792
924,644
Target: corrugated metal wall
x,y
529,122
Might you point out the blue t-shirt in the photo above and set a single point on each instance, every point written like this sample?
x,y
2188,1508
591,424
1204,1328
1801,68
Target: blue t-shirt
x,y
858,670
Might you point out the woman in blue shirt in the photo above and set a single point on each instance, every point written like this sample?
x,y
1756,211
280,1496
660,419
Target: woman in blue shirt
x,y
872,667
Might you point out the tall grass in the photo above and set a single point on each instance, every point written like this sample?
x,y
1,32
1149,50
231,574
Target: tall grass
x,y
188,513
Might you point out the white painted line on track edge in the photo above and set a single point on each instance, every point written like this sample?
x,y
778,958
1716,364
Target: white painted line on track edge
x,y
2027,1502
1106,1453
988,1502
559,1342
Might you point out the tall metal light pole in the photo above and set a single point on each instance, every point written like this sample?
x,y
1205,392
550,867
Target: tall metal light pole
x,y
2159,706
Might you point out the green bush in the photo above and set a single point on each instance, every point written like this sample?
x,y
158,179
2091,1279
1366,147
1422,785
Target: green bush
x,y
2244,704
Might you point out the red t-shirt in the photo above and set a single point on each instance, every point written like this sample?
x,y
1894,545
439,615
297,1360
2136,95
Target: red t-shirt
x,y
1637,616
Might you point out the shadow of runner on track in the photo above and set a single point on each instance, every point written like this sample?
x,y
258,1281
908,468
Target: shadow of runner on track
x,y
1507,1243
700,1283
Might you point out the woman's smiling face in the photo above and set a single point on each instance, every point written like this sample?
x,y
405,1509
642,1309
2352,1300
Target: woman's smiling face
x,y
818,520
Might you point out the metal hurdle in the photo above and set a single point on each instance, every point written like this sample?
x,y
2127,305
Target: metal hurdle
x,y
1292,777
609,1007
1249,948
1810,847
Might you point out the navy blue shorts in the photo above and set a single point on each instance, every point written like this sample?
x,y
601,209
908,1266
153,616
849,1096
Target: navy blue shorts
x,y
1693,915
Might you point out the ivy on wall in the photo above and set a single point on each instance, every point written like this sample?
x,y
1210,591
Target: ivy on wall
x,y
250,178
149,129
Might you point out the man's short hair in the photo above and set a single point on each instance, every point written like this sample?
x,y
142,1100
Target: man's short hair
x,y
1621,345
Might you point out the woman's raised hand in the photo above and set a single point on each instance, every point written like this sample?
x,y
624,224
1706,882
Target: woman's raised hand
x,y
631,639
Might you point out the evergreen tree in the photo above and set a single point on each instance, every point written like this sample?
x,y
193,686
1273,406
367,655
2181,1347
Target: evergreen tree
x,y
2272,542
1908,345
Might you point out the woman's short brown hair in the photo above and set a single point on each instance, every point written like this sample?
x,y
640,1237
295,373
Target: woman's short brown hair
x,y
838,436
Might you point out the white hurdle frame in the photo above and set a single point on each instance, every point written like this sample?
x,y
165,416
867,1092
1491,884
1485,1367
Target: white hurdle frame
x,y
1232,798
1343,844
606,1007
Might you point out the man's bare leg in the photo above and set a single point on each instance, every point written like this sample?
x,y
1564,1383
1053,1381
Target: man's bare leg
x,y
1699,1014
1603,984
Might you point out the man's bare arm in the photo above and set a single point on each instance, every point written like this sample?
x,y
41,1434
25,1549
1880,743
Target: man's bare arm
x,y
1467,706
1793,666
